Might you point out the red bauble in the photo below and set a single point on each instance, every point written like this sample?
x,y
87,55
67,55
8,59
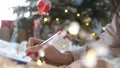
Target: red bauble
x,y
43,7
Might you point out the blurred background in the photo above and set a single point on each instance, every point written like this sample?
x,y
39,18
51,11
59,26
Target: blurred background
x,y
83,20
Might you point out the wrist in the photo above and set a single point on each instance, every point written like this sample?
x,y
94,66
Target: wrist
x,y
68,58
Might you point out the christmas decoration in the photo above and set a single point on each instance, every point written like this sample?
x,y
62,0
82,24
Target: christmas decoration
x,y
92,15
43,7
7,24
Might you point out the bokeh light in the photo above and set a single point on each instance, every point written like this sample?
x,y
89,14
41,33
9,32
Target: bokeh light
x,y
74,28
103,28
78,14
66,10
45,19
91,59
87,23
41,53
39,62
57,19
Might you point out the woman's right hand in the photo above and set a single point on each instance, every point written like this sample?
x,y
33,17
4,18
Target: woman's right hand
x,y
52,55
32,42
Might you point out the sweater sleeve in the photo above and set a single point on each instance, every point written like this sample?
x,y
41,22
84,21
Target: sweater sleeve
x,y
111,37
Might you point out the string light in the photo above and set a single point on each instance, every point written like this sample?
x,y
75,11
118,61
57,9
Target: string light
x,y
93,34
66,11
103,28
87,23
45,19
57,19
78,14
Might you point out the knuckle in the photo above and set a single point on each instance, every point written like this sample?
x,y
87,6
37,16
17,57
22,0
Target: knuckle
x,y
31,38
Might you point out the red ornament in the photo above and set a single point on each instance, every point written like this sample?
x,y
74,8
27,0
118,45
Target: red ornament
x,y
43,7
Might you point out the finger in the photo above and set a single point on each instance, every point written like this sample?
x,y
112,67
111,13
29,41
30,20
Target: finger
x,y
34,49
33,41
37,41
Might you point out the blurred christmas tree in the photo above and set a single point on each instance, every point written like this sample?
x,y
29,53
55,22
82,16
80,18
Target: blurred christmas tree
x,y
90,14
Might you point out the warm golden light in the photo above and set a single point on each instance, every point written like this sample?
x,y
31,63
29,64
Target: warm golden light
x,y
78,15
103,28
66,10
93,34
91,59
57,19
87,23
39,62
45,19
41,53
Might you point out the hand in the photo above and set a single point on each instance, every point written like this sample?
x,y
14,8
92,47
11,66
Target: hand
x,y
32,43
52,55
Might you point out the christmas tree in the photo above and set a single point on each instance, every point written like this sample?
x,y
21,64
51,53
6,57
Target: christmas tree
x,y
92,16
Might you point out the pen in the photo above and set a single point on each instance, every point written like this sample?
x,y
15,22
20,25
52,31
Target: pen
x,y
42,44
50,38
